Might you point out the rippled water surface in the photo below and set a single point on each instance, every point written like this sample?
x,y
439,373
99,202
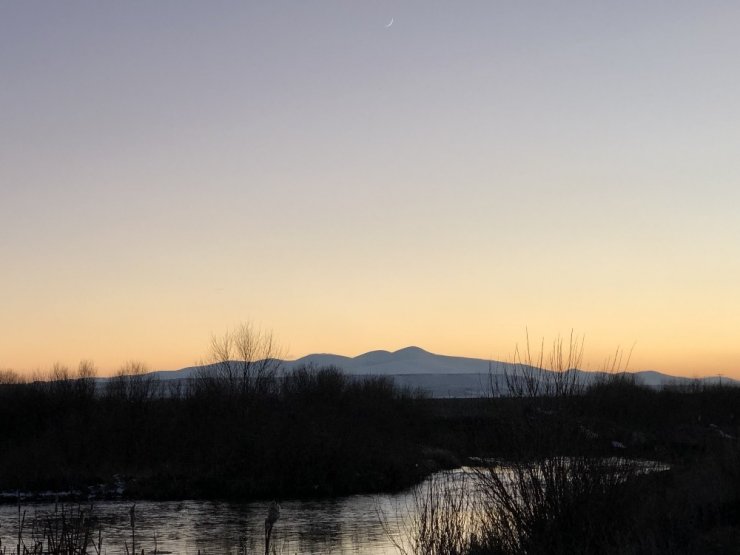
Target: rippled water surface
x,y
340,525
367,524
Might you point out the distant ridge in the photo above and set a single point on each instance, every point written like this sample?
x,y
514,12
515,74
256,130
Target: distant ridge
x,y
440,375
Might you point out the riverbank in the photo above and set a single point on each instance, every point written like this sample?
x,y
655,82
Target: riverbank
x,y
568,487
317,434
312,433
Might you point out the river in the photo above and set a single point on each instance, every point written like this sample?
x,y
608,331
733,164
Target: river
x,y
367,524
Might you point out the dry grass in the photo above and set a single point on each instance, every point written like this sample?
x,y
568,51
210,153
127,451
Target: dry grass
x,y
62,532
442,517
569,504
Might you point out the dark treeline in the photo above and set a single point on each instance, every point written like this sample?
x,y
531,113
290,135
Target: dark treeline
x,y
222,434
614,467
242,430
671,424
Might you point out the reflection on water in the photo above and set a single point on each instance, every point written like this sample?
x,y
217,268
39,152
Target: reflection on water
x,y
340,525
365,524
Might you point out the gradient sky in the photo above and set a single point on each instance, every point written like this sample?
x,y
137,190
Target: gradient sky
x,y
170,169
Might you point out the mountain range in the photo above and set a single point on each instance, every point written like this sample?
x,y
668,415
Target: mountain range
x,y
442,375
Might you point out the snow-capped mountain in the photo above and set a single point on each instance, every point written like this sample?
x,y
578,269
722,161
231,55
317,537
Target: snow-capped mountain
x,y
442,375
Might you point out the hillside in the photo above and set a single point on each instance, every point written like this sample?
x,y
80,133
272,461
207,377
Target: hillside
x,y
442,375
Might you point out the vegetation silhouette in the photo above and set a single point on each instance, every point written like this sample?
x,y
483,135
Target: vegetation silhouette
x,y
610,467
560,466
307,432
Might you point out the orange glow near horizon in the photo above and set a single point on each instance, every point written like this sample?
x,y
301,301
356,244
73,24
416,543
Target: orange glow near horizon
x,y
448,182
184,351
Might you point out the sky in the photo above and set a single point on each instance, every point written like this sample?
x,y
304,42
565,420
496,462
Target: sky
x,y
474,170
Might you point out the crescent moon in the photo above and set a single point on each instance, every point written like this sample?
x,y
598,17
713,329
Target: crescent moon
x,y
391,23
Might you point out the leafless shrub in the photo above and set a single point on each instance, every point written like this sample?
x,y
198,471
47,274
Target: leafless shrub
x,y
60,381
245,360
443,517
132,382
614,369
85,379
570,504
10,377
552,504
533,373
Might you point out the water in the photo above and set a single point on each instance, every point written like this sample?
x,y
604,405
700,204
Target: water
x,y
367,524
